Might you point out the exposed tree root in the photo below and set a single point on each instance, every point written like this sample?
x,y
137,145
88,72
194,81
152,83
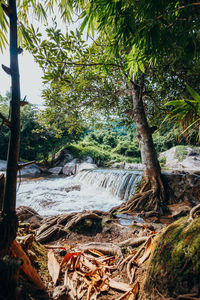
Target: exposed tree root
x,y
193,211
151,197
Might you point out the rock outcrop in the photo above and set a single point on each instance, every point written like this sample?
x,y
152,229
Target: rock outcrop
x,y
31,170
182,158
74,167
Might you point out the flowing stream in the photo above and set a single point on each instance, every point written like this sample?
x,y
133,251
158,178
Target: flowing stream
x,y
99,189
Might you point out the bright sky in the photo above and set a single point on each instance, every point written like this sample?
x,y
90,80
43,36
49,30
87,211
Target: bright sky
x,y
30,73
30,77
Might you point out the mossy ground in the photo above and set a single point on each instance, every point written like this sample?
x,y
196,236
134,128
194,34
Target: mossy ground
x,y
174,268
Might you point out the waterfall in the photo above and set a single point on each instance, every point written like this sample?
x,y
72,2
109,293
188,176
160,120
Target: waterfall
x,y
120,183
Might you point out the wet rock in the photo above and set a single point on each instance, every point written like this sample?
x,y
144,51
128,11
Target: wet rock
x,y
29,215
62,158
182,187
55,170
30,171
89,160
191,163
118,165
70,168
133,166
74,167
192,152
127,166
182,158
85,166
73,188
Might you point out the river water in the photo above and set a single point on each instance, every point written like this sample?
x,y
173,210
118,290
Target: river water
x,y
89,190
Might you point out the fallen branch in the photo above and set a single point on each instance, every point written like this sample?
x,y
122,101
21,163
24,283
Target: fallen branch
x,y
27,267
22,166
106,248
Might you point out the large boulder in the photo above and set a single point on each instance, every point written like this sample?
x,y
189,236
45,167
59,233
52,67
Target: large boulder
x,y
182,187
27,214
27,171
70,167
133,166
31,170
74,167
89,160
62,158
174,268
127,166
55,170
85,166
182,158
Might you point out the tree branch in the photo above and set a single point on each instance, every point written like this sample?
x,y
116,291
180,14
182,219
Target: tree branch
x,y
20,167
84,64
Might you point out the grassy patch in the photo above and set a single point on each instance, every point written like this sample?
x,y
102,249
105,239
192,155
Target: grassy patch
x,y
181,152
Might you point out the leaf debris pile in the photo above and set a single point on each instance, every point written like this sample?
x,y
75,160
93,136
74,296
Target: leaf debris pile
x,y
87,273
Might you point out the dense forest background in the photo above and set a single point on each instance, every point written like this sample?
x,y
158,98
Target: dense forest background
x,y
107,141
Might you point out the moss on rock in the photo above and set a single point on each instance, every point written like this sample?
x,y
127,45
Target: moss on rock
x,y
174,267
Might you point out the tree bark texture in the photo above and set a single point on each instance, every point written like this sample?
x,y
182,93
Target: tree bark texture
x,y
148,153
8,218
13,148
152,194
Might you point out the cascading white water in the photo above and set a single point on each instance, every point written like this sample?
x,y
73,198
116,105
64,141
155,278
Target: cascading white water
x,y
119,183
94,189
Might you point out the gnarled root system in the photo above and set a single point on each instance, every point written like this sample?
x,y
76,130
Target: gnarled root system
x,y
151,197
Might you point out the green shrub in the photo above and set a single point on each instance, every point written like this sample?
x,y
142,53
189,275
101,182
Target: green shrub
x,y
122,147
165,141
162,161
130,149
180,152
82,152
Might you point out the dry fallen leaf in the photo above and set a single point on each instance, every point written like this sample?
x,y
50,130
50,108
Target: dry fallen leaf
x,y
53,266
68,256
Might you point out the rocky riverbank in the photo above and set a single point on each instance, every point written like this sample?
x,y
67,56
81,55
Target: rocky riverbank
x,y
90,254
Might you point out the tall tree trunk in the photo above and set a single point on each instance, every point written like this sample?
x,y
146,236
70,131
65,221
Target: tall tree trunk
x,y
152,194
8,219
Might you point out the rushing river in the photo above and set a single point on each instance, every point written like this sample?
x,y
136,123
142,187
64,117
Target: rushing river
x,y
89,190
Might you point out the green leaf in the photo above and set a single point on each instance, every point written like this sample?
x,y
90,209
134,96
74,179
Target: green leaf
x,y
193,93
